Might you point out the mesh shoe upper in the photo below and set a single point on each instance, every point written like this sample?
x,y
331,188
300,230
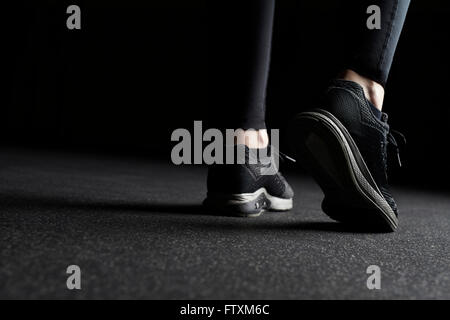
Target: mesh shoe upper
x,y
347,102
246,178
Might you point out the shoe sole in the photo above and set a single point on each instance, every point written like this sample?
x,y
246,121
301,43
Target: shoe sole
x,y
247,204
326,149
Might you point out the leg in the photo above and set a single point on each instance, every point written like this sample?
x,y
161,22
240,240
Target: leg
x,y
241,41
371,52
240,36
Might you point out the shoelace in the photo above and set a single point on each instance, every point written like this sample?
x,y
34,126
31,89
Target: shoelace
x,y
282,156
392,141
275,152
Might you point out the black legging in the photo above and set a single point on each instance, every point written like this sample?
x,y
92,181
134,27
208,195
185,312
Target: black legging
x,y
241,34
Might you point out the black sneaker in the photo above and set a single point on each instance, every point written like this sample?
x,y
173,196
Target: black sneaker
x,y
344,146
246,189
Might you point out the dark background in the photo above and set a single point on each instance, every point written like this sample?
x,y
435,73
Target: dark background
x,y
136,71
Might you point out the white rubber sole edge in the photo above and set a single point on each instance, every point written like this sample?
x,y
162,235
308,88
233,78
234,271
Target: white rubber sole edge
x,y
276,203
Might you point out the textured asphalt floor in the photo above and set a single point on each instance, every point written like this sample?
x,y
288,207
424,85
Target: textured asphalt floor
x,y
136,230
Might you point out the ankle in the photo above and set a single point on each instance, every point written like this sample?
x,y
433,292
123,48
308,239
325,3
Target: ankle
x,y
254,139
373,91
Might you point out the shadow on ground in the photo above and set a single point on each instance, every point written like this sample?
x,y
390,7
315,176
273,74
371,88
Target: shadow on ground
x,y
109,207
